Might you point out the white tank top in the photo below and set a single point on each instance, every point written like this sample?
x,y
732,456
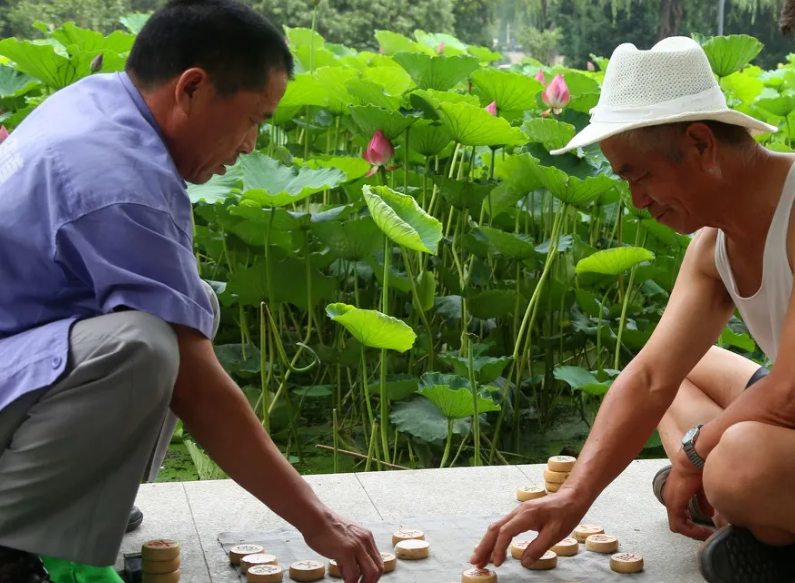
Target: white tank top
x,y
764,312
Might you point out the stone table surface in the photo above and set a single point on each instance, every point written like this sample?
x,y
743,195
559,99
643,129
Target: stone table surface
x,y
195,513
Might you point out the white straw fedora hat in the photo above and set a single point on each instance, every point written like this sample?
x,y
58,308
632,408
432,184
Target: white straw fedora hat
x,y
671,82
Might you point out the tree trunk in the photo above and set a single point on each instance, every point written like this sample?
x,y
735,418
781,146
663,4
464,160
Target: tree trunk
x,y
670,19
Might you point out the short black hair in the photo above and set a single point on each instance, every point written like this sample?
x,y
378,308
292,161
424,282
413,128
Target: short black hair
x,y
237,46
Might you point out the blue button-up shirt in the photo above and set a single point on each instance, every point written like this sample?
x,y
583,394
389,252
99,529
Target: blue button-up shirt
x,y
93,216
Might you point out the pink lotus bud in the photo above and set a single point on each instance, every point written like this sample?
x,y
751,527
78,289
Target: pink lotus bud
x,y
380,152
52,27
556,96
540,77
590,66
492,108
96,63
3,134
440,48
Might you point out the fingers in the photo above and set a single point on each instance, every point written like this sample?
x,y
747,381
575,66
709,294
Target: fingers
x,y
480,558
371,549
506,532
349,569
370,568
540,545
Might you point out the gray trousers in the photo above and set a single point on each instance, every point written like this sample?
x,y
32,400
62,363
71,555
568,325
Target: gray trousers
x,y
73,454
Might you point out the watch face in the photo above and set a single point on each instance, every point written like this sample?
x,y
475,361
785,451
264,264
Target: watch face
x,y
689,435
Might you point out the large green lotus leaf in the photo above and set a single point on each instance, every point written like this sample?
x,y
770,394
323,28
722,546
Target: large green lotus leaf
x,y
334,80
271,184
402,219
395,80
781,106
483,54
502,198
746,87
513,245
550,133
512,91
429,100
250,284
252,224
90,41
370,119
474,126
299,36
134,22
665,234
366,92
14,83
432,40
494,303
462,195
231,358
614,261
729,54
452,394
372,328
487,368
519,171
429,139
393,43
312,59
570,189
41,62
742,341
353,240
304,89
398,387
440,73
354,168
580,379
219,187
422,419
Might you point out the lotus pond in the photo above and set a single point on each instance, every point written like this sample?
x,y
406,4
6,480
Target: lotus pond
x,y
407,277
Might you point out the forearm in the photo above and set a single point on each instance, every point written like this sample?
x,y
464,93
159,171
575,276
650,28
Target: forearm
x,y
627,418
217,414
770,401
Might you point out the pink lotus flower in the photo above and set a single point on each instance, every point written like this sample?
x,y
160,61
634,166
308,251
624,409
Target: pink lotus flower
x,y
440,48
380,152
3,134
492,108
540,77
556,96
591,66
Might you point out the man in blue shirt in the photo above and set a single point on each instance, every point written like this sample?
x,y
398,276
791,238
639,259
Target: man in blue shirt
x,y
105,324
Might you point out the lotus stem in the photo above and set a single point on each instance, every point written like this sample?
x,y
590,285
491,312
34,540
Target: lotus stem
x,y
420,311
475,416
626,303
336,432
449,442
385,310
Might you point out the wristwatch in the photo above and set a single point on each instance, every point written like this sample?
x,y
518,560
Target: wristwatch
x,y
689,446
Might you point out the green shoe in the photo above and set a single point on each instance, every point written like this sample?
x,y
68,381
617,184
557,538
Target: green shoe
x,y
69,572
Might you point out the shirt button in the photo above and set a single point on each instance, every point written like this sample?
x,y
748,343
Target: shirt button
x,y
56,362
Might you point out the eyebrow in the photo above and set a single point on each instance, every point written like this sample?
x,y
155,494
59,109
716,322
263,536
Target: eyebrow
x,y
624,170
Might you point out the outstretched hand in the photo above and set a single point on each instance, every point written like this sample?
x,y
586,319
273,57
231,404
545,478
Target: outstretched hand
x,y
350,545
552,517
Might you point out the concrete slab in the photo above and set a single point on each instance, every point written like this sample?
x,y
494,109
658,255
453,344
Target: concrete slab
x,y
445,492
167,514
223,506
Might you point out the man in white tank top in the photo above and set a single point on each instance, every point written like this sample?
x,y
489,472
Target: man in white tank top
x,y
727,426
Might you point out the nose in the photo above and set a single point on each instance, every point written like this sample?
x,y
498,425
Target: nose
x,y
249,142
639,197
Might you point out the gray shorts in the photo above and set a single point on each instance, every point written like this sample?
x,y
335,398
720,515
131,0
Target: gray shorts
x,y
760,373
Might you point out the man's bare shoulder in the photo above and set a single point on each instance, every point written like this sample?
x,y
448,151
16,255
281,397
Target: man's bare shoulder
x,y
702,252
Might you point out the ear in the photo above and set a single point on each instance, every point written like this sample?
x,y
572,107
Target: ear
x,y
700,141
191,86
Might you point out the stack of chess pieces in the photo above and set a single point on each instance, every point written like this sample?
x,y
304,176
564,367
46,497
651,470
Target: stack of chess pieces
x,y
160,561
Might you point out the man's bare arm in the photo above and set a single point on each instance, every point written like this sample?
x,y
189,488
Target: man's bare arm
x,y
698,309
217,414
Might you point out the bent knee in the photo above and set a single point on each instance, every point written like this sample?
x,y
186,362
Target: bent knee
x,y
151,350
734,466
